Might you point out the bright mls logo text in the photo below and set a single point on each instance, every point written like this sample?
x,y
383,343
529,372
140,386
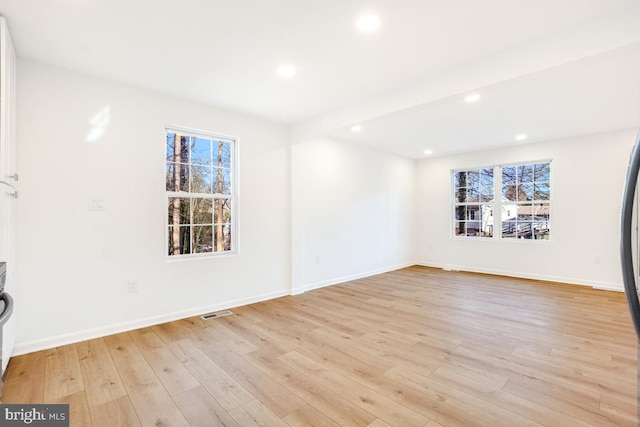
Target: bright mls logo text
x,y
27,416
38,415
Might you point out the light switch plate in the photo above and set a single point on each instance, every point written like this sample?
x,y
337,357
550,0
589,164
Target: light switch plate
x,y
97,205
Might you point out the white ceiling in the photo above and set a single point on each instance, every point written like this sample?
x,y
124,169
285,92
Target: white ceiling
x,y
593,95
547,68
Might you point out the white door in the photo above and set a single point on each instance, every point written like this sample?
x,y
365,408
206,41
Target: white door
x,y
8,177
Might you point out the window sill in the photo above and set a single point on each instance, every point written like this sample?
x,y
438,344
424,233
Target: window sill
x,y
197,257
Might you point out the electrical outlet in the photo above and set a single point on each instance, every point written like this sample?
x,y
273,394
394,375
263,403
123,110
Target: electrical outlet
x,y
317,260
596,259
132,285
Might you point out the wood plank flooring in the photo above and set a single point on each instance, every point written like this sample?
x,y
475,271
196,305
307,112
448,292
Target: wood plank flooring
x,y
414,347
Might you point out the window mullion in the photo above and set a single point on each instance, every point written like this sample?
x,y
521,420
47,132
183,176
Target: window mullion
x,y
497,202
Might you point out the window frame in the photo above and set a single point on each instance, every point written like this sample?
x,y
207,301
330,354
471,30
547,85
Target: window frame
x,y
233,197
533,202
455,204
497,203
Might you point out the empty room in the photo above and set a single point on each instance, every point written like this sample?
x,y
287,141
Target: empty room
x,y
304,213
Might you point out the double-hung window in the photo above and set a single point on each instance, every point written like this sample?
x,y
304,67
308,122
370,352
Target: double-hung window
x,y
526,201
473,202
200,193
503,202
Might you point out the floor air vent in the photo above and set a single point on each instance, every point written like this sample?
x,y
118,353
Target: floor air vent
x,y
216,314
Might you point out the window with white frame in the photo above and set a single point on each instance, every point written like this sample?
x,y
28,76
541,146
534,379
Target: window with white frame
x,y
200,193
520,193
473,202
526,201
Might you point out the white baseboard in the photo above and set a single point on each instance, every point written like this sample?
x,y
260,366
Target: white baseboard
x,y
616,287
296,291
609,286
338,280
51,342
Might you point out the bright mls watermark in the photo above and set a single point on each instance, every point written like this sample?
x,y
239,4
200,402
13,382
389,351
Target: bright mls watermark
x,y
34,415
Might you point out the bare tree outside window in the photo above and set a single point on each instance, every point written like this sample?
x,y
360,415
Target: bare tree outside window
x,y
200,193
520,193
526,201
473,202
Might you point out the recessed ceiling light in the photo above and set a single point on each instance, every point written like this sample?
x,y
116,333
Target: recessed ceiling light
x,y
368,23
472,97
356,128
521,137
286,71
428,152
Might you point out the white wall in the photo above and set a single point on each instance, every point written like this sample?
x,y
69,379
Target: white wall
x,y
587,179
352,207
73,264
357,210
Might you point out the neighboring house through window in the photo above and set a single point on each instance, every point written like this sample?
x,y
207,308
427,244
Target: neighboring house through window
x,y
526,197
520,192
473,202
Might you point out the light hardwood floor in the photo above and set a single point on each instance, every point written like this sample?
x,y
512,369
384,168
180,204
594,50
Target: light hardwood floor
x,y
415,347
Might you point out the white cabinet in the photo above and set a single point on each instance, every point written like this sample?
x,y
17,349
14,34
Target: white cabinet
x,y
8,178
